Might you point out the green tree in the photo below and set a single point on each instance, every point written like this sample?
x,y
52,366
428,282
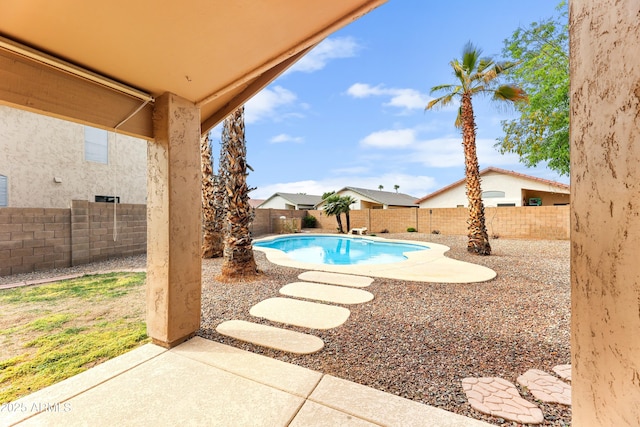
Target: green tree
x,y
327,194
541,133
474,76
380,187
395,187
333,206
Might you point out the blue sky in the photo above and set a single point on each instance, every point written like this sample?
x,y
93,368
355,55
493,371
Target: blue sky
x,y
351,113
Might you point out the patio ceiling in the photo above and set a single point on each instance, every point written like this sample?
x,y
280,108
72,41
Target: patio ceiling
x,y
117,54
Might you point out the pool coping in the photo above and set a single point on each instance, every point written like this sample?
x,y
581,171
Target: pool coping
x,y
420,266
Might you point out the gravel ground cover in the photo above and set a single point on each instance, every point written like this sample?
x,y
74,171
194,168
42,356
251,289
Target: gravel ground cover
x,y
419,340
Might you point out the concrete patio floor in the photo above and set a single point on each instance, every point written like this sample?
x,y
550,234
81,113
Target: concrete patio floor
x,y
204,383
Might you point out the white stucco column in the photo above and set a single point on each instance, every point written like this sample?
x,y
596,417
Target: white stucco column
x,y
174,222
605,212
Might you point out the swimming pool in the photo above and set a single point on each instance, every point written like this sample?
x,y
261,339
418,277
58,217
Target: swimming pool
x,y
340,250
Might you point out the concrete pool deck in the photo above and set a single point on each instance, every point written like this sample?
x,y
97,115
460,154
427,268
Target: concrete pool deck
x,y
430,265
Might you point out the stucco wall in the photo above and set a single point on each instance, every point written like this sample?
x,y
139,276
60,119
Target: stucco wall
x,y
35,149
605,212
494,181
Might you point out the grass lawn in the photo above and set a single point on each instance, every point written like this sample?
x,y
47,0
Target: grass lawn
x,y
51,332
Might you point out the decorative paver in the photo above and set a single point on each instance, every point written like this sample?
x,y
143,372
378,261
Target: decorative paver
x,y
500,398
546,387
301,313
268,336
336,279
563,371
327,293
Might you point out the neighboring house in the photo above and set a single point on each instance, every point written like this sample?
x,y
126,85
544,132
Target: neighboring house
x,y
255,202
47,163
290,201
501,188
375,199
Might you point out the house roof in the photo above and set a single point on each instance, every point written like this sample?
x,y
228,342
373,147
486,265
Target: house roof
x,y
256,202
556,184
297,199
384,197
95,62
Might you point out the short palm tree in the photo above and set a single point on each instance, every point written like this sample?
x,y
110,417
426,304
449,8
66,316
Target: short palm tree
x,y
475,76
333,206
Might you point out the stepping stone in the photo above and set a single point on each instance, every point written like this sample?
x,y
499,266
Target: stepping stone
x,y
546,387
336,279
327,293
301,313
268,336
500,398
563,371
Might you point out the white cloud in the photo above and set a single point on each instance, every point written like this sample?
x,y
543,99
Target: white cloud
x,y
399,138
406,98
267,103
417,186
331,48
283,137
447,152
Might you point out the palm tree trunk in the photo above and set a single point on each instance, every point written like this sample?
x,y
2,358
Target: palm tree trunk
x,y
478,237
346,214
339,219
212,243
238,258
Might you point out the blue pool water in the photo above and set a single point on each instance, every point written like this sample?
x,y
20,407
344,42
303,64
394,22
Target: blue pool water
x,y
338,250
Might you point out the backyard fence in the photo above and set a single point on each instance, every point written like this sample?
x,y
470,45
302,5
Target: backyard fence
x,y
526,222
39,239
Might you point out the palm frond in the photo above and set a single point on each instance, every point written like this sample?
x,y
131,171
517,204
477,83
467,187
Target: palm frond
x,y
510,93
458,122
470,56
441,102
441,88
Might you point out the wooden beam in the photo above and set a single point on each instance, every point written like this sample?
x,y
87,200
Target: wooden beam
x,y
251,89
31,85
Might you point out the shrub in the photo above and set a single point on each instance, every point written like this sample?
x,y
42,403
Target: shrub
x,y
435,232
384,231
309,221
411,230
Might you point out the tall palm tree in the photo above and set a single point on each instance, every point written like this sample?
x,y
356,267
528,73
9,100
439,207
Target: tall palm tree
x,y
475,76
238,260
333,206
212,242
380,187
395,187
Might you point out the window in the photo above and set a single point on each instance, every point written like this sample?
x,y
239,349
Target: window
x,y
3,190
492,194
108,199
96,147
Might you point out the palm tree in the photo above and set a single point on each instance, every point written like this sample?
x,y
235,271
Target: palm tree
x,y
380,187
238,260
212,242
395,187
345,203
333,206
475,76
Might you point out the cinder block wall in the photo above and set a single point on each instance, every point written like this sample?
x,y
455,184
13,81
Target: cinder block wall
x,y
530,222
92,231
34,239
